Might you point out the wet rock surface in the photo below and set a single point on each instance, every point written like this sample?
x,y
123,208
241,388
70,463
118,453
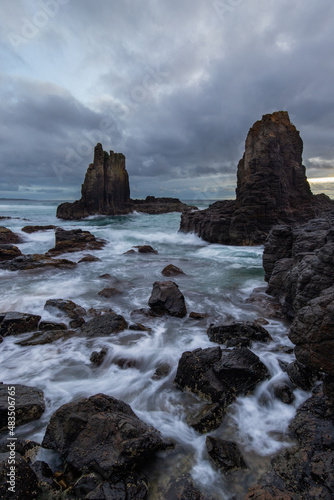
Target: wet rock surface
x,y
171,270
29,404
35,229
271,188
218,376
305,470
7,237
105,325
9,252
238,334
166,298
75,240
36,261
101,434
15,323
25,480
225,454
47,337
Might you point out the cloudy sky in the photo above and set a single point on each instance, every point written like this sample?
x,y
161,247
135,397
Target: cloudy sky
x,y
173,84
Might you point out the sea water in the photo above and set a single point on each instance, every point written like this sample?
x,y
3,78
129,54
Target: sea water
x,y
218,280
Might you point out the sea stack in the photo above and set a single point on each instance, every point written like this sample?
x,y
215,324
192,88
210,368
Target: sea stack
x,y
106,191
271,188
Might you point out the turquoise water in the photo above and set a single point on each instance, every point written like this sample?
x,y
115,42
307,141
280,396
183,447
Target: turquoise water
x,y
218,281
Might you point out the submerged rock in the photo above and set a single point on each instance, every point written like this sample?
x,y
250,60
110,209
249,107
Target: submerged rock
x,y
167,298
101,434
109,292
61,307
225,454
75,240
171,270
182,488
145,249
97,358
238,334
89,258
15,323
271,188
29,404
47,337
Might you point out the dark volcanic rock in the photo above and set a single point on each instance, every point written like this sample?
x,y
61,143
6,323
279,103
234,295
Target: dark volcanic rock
x,y
89,258
106,191
145,249
75,240
34,229
171,270
132,487
182,488
29,404
105,325
167,298
209,418
238,334
62,307
313,333
218,376
299,262
225,454
97,358
271,188
36,261
14,323
101,434
49,325
9,252
306,470
7,237
47,337
25,482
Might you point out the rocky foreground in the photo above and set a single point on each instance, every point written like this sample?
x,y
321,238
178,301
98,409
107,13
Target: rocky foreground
x,y
106,191
271,188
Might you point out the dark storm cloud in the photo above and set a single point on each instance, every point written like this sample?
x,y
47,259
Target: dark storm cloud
x,y
173,85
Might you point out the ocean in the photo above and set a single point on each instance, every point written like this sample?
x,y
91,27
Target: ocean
x,y
218,281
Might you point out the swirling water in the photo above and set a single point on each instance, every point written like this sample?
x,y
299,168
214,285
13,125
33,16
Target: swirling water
x,y
218,281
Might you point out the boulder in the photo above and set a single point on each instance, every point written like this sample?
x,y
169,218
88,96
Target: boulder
x,y
198,316
225,454
103,326
29,404
238,334
162,370
36,261
34,229
101,434
15,323
209,418
17,481
166,298
9,252
75,240
49,325
220,375
171,270
271,188
61,308
7,237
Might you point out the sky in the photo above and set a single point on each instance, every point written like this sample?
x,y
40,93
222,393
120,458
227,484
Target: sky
x,y
173,85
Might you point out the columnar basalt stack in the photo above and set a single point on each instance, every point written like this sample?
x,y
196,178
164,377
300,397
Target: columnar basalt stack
x,y
106,191
271,188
